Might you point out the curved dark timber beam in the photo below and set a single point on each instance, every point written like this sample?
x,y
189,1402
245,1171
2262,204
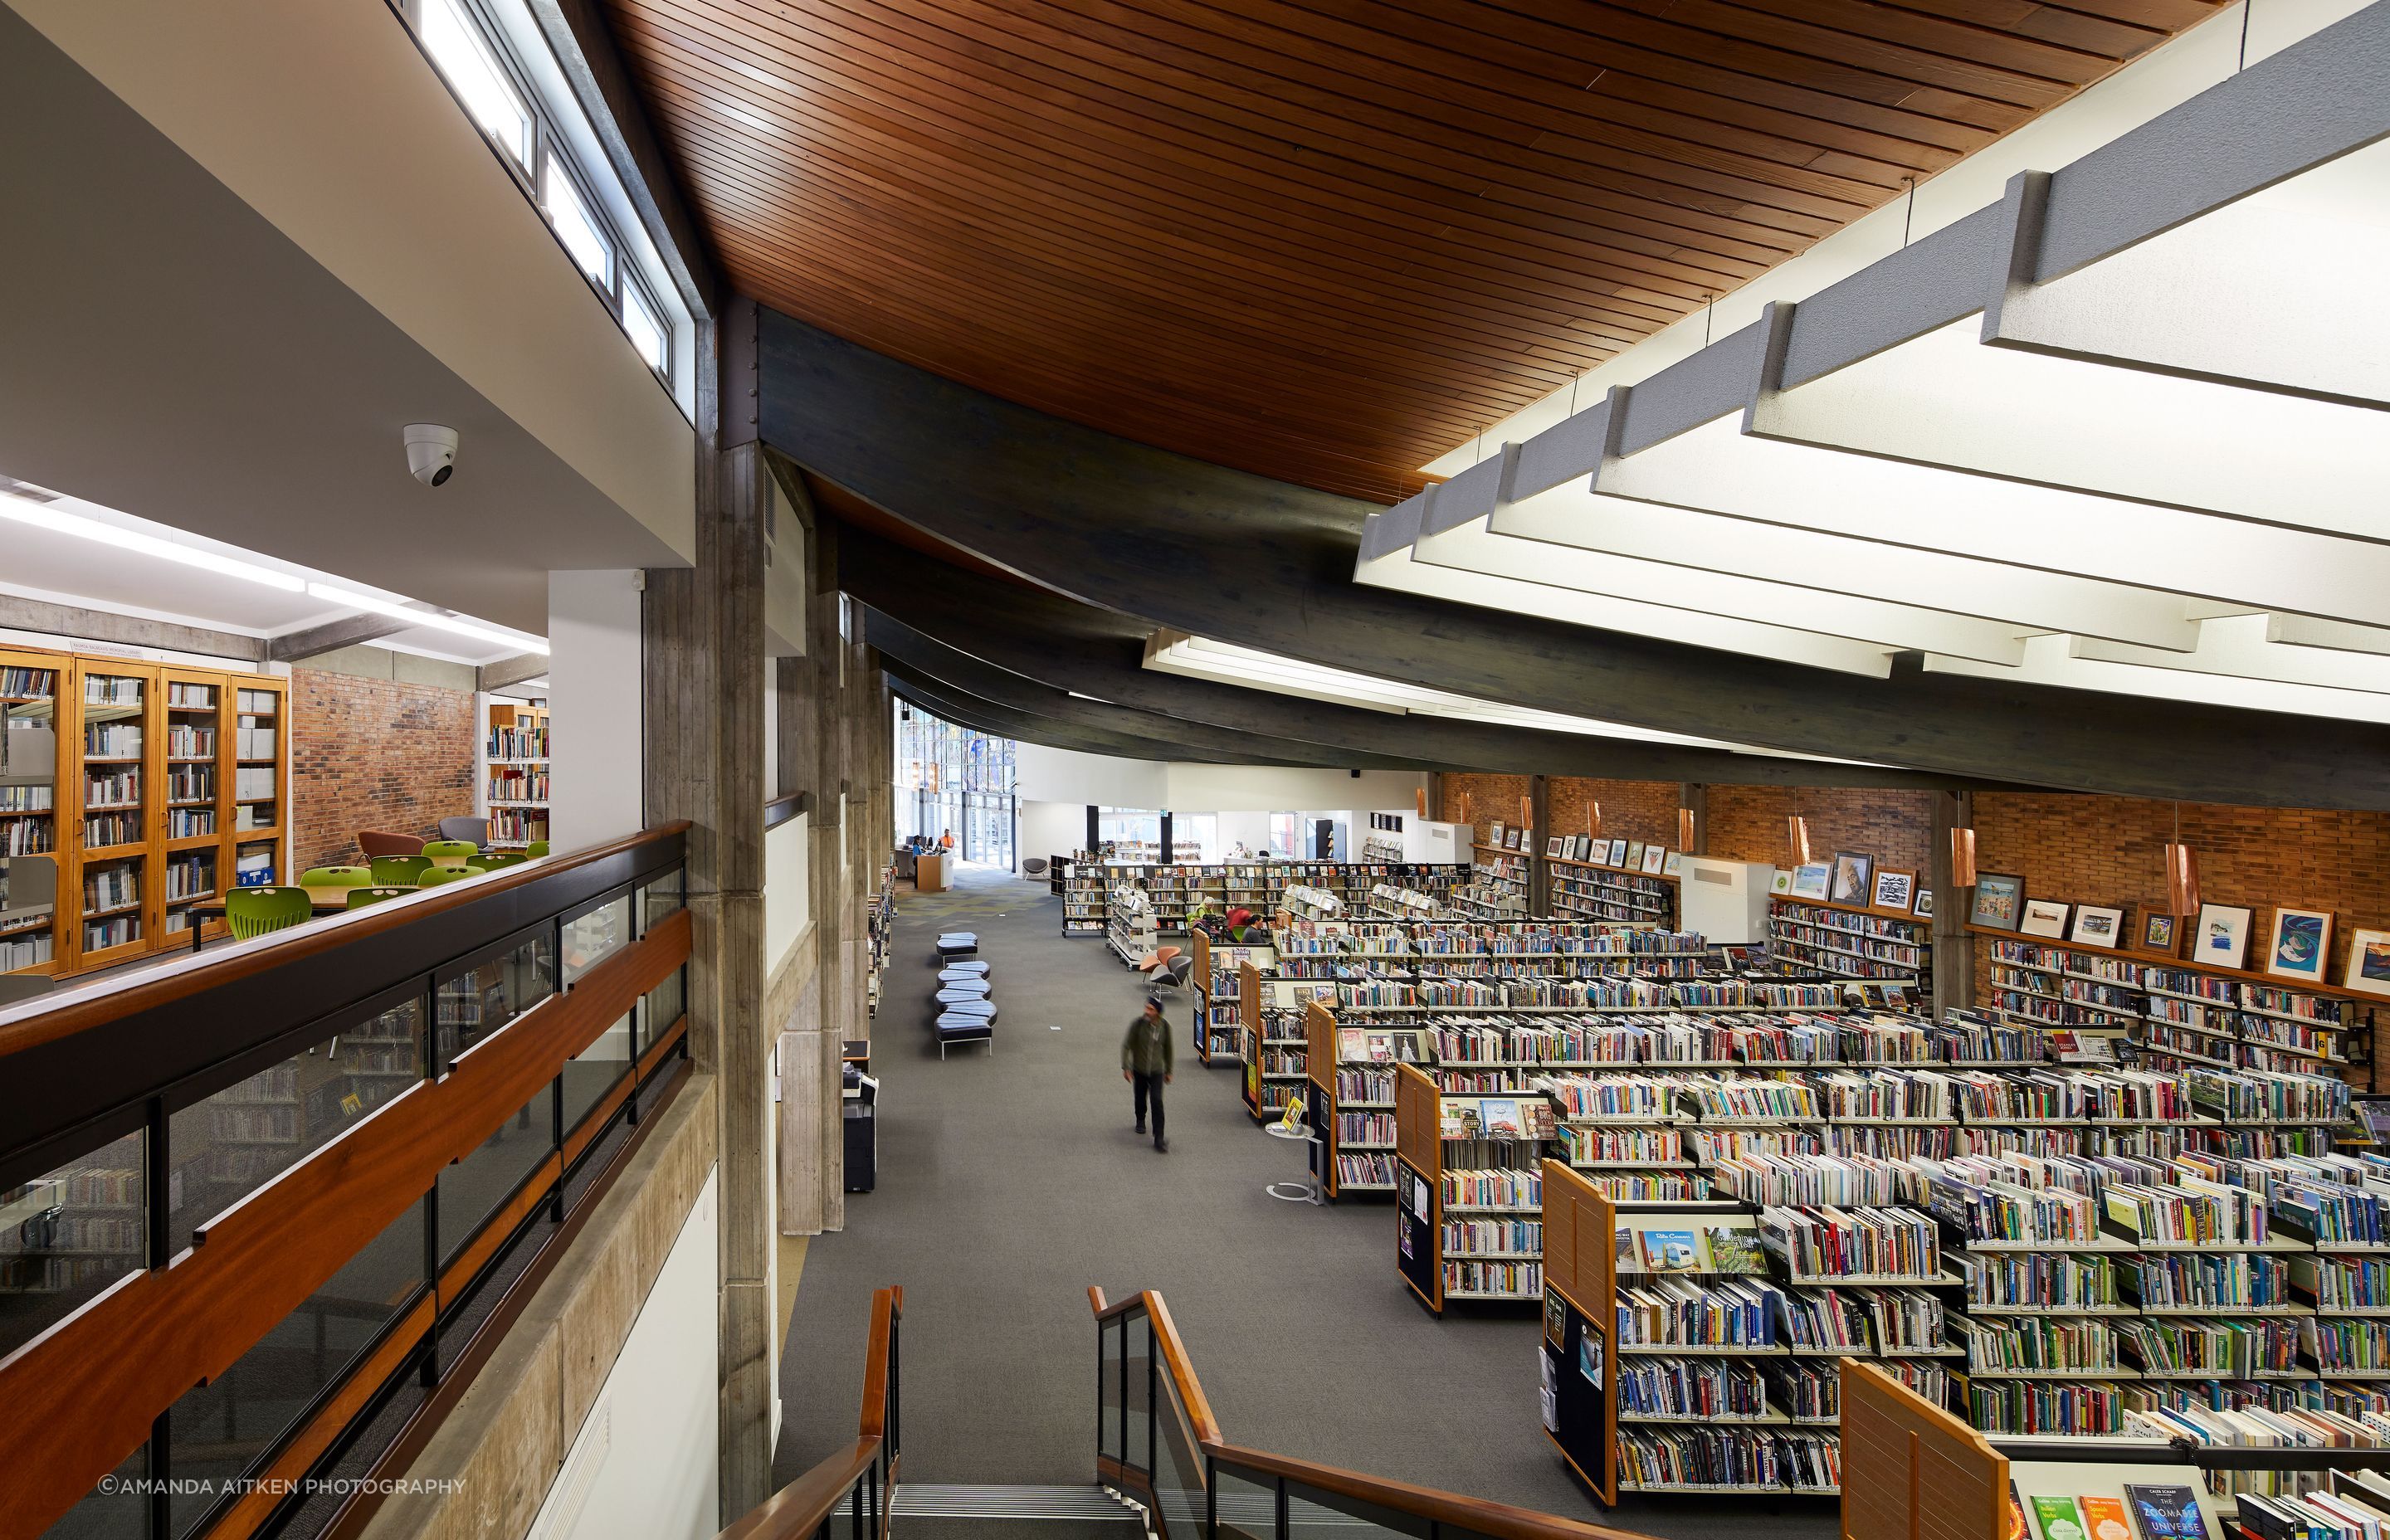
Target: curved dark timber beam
x,y
931,613
959,672
1220,553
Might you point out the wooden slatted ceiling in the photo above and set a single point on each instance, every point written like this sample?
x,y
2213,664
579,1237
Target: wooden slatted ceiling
x,y
1324,241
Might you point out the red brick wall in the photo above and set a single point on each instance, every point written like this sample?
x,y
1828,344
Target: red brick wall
x,y
1492,799
1630,810
1747,822
374,753
2109,850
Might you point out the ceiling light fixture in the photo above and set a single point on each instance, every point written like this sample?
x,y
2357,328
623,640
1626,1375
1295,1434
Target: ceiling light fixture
x,y
42,517
456,624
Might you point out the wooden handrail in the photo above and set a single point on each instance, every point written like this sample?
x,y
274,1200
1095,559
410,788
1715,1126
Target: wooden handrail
x,y
1498,1520
798,1509
50,1016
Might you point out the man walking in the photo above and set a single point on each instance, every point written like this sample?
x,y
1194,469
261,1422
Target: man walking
x,y
1146,1059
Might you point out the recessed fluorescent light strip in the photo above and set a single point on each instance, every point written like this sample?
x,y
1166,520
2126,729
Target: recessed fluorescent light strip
x,y
42,517
456,624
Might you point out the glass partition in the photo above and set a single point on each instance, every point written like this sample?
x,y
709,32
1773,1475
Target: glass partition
x,y
591,938
479,998
596,1068
478,1187
67,1235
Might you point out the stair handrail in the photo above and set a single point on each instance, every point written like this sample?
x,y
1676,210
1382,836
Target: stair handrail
x,y
1476,1515
865,1472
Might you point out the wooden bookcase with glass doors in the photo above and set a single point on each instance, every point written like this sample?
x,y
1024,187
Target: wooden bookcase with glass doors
x,y
150,787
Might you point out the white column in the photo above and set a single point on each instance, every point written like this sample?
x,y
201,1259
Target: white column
x,y
593,695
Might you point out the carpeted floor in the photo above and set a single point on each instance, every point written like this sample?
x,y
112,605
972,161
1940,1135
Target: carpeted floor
x,y
1010,1182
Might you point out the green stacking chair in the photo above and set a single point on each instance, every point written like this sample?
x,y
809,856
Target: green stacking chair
x,y
538,848
400,871
438,874
360,897
450,853
337,877
254,911
507,858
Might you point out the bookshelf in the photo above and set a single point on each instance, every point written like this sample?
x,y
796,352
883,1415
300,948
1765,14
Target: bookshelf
x,y
1083,897
1128,922
1498,884
149,786
1594,889
1351,1085
1846,941
1219,1019
2186,1013
1270,1008
515,786
1468,1192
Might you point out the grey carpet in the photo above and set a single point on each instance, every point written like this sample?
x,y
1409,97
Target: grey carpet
x,y
1009,1183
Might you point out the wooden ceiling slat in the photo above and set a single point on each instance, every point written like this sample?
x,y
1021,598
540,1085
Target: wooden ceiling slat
x,y
1321,239
790,110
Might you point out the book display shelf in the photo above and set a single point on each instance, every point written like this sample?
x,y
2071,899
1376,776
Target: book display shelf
x,y
1468,1192
148,788
1128,922
1260,886
2184,1013
1350,1074
1218,1026
1601,891
1270,1012
1848,941
1083,896
1498,885
514,792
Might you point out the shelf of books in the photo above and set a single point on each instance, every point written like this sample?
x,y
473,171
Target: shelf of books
x,y
514,792
1615,893
2186,1013
1844,941
1272,1043
1219,1017
1468,1192
129,793
1128,922
1498,884
1083,896
1351,1071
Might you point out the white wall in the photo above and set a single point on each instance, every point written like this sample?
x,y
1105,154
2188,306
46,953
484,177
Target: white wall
x,y
1049,828
788,876
1067,776
595,759
642,1466
1248,829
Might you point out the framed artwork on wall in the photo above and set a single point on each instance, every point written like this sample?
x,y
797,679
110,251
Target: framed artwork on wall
x,y
1634,855
2095,926
2301,944
1852,869
1925,904
1554,844
1618,857
1673,863
2160,933
1655,857
2222,939
2000,902
2043,917
1895,889
1782,883
1810,882
2369,962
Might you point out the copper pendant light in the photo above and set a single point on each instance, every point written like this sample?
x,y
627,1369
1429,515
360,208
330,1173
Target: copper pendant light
x,y
1593,820
2181,871
1797,828
1685,835
1962,858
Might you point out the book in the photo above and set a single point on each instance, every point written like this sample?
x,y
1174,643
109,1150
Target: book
x,y
1502,1116
1733,1248
1673,1251
2166,1513
2056,1519
2104,1518
2016,1515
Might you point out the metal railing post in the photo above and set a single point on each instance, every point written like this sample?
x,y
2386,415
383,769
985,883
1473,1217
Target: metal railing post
x,y
1285,1520
1152,1426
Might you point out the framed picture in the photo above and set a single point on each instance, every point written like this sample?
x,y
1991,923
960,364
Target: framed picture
x,y
1616,856
1924,909
1895,889
2000,902
1655,857
1493,834
2043,917
1810,882
2097,926
1635,855
2159,933
2222,939
2369,962
1556,844
1782,883
1852,869
2301,942
1583,847
1676,860
1515,840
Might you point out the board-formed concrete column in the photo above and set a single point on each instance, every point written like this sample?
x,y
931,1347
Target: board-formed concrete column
x,y
703,646
1539,871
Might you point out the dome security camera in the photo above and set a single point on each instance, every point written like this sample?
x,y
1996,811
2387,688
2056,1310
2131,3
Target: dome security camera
x,y
431,453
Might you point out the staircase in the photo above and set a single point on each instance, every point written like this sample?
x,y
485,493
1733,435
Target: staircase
x,y
926,1512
